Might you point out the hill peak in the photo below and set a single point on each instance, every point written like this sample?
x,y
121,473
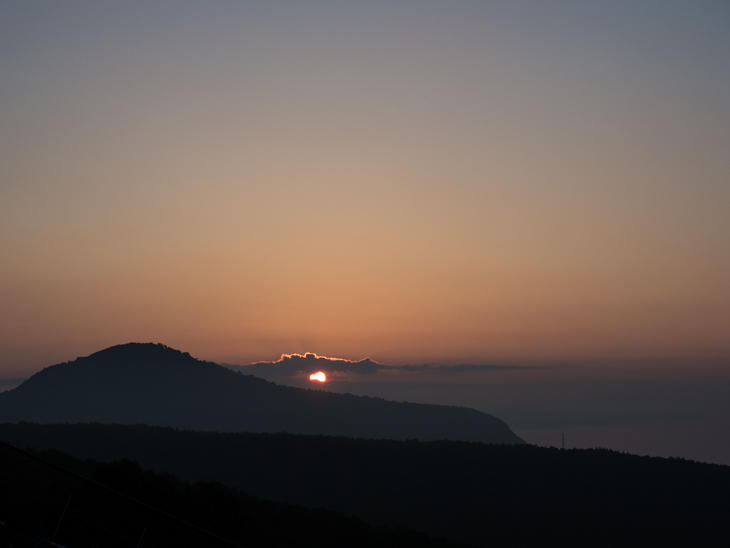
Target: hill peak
x,y
137,350
134,358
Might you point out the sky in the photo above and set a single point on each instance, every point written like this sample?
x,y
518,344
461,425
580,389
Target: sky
x,y
520,182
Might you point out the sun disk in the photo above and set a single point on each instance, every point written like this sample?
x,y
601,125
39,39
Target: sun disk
x,y
319,376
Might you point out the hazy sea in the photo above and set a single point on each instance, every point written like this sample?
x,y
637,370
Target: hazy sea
x,y
669,418
678,417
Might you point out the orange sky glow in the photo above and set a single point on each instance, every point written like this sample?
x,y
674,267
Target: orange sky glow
x,y
407,184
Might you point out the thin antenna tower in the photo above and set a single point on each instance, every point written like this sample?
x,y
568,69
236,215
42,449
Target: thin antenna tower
x,y
562,440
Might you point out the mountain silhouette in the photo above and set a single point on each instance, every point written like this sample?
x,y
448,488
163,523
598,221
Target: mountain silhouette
x,y
146,383
484,495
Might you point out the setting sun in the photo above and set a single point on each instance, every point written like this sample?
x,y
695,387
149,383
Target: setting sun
x,y
319,376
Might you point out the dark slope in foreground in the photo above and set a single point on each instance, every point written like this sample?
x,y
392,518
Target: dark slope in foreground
x,y
486,495
124,505
154,384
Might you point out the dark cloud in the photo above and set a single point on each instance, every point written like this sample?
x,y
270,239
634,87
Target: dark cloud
x,y
463,367
300,366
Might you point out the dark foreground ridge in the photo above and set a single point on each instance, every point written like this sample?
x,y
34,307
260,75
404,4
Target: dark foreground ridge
x,y
153,384
51,497
486,495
